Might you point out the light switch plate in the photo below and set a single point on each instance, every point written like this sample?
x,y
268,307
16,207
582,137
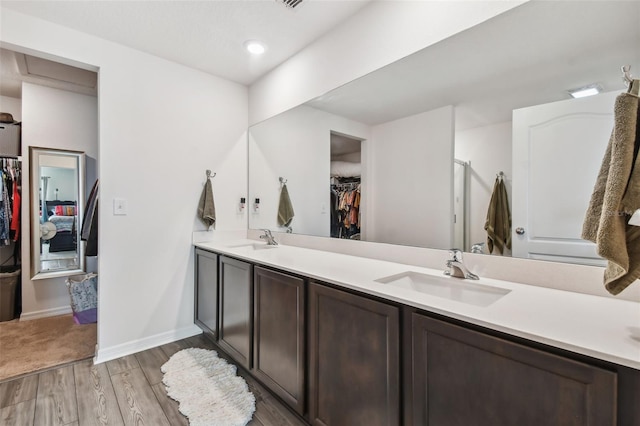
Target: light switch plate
x,y
119,206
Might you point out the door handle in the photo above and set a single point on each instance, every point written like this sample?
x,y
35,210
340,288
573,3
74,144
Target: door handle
x,y
520,231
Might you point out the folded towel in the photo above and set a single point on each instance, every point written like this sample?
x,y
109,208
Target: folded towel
x,y
616,196
285,209
206,206
498,223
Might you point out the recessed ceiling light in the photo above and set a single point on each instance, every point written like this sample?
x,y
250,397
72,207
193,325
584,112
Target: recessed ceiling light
x,y
254,47
583,92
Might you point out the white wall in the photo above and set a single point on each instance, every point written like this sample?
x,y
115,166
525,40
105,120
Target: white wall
x,y
412,174
295,145
52,118
63,180
488,149
161,125
11,105
379,34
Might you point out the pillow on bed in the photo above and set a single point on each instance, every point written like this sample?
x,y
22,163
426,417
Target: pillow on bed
x,y
65,210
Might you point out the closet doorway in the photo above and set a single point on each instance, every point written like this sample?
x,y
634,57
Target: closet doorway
x,y
55,97
346,189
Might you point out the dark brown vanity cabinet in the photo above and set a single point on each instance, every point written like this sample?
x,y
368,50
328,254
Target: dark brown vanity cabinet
x,y
206,289
235,306
464,377
354,364
279,335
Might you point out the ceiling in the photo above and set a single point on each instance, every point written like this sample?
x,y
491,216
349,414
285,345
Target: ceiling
x,y
207,35
16,68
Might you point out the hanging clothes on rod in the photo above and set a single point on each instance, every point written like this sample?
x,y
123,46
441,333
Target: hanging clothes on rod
x,y
10,199
345,208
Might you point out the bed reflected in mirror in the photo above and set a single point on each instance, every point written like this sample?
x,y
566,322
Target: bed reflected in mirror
x,y
57,193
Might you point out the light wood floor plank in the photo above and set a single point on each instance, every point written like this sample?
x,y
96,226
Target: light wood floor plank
x,y
169,406
56,398
200,341
150,361
97,403
123,364
269,413
171,348
18,390
20,414
138,403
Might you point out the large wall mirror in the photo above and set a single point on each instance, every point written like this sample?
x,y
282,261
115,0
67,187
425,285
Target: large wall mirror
x,y
422,141
57,196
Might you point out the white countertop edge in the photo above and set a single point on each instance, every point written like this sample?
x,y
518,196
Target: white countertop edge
x,y
598,350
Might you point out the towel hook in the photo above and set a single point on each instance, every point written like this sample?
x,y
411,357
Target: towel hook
x,y
283,181
626,74
500,175
209,174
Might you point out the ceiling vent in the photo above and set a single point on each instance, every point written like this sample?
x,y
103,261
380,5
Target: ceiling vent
x,y
291,4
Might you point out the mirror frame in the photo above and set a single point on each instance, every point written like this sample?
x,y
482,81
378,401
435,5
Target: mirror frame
x,y
34,175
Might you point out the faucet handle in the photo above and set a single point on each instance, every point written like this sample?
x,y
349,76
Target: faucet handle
x,y
455,255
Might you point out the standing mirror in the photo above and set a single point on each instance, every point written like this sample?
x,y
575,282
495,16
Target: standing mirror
x,y
57,195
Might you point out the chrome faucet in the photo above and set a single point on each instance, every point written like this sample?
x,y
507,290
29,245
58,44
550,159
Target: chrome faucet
x,y
269,237
455,267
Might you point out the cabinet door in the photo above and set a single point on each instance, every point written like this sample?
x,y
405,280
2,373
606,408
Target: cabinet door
x,y
464,377
278,334
235,328
354,361
206,297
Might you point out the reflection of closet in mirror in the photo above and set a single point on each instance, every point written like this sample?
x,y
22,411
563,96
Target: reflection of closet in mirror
x,y
346,188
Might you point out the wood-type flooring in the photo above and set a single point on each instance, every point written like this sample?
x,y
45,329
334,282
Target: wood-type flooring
x,y
125,391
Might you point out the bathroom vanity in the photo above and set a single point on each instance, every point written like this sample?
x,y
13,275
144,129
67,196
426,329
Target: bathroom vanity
x,y
345,340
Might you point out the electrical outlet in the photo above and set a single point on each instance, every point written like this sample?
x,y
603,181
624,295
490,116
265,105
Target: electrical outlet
x,y
119,206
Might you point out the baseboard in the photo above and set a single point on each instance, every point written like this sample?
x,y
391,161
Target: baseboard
x,y
124,349
25,316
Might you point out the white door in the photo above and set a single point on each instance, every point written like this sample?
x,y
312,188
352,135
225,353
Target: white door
x,y
557,153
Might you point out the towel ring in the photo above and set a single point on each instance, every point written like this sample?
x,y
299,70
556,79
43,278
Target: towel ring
x,y
209,174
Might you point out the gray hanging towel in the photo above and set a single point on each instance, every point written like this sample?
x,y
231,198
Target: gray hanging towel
x,y
498,223
206,206
285,209
616,196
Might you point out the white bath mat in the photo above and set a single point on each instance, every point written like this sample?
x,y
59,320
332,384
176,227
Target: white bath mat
x,y
207,388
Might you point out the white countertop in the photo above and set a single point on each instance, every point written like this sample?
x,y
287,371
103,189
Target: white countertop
x,y
600,327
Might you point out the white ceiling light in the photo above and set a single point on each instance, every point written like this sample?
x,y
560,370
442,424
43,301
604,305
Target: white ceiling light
x,y
583,92
254,47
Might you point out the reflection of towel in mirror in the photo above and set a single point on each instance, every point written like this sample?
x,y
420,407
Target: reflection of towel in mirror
x,y
616,196
498,223
206,206
285,209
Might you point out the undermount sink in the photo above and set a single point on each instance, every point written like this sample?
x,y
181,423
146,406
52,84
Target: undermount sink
x,y
447,287
253,246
